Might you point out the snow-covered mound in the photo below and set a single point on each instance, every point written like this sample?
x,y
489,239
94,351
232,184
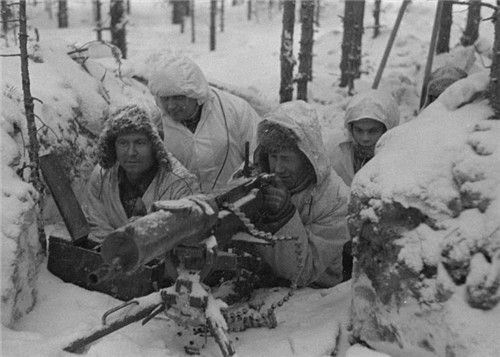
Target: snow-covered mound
x,y
72,103
19,243
74,96
425,213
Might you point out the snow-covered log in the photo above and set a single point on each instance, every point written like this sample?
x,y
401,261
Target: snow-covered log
x,y
425,214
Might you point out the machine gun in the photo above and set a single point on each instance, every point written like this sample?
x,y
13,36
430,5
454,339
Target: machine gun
x,y
179,227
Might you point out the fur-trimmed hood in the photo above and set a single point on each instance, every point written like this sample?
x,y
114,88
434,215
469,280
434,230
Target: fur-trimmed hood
x,y
130,118
302,128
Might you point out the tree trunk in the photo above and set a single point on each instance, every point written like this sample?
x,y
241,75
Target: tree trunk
x,y
62,14
287,61
48,8
306,45
376,17
98,19
193,35
177,12
34,145
222,15
471,32
443,44
128,7
494,87
117,24
351,42
213,13
249,10
317,12
5,17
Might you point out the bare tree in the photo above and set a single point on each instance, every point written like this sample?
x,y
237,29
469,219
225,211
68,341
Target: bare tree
x,y
222,15
443,44
494,87
213,14
48,8
62,14
471,32
376,17
98,19
191,13
180,10
317,7
351,42
306,45
287,61
5,17
34,145
118,26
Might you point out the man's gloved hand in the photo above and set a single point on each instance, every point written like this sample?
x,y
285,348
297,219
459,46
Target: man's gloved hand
x,y
198,208
276,197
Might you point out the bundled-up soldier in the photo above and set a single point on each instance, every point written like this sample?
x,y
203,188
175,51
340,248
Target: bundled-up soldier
x,y
206,129
306,199
440,79
368,115
133,171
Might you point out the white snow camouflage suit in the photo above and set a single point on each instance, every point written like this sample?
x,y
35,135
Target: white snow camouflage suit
x,y
217,147
320,218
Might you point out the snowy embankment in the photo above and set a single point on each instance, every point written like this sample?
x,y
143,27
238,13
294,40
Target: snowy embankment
x,y
21,251
427,216
72,104
76,101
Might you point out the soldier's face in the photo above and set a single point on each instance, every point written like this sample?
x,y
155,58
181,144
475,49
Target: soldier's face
x,y
179,107
366,132
134,152
290,166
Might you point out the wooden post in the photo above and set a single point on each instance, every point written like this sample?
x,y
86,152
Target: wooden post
x,y
494,86
117,24
443,42
471,32
306,45
430,54
34,145
213,14
287,61
390,42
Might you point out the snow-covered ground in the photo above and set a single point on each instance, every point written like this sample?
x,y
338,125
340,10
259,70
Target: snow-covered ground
x,y
246,58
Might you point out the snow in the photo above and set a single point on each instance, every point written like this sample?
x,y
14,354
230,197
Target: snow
x,y
246,62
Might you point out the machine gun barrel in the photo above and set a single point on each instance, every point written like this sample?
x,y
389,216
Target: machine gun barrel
x,y
105,272
157,233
